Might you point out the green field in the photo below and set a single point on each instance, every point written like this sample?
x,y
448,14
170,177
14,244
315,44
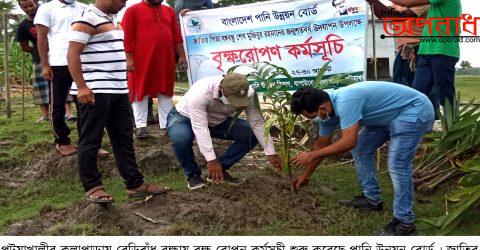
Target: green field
x,y
468,86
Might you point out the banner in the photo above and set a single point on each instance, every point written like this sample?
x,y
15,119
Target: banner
x,y
300,36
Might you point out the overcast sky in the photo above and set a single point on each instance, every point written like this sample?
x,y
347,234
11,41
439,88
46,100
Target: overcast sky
x,y
469,51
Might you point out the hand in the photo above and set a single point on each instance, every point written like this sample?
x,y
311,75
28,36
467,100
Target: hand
x,y
182,60
85,96
302,159
184,12
301,180
215,171
275,161
130,65
47,72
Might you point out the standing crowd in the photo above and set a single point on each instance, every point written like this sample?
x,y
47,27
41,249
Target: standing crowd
x,y
112,69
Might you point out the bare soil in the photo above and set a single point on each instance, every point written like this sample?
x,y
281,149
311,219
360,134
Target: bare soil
x,y
262,199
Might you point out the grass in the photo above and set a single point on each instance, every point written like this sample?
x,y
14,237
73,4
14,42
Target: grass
x,y
468,87
22,142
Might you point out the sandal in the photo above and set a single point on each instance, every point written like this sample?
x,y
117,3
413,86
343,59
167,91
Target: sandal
x,y
145,190
98,198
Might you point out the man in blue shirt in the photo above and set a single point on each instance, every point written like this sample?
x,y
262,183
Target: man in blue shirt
x,y
369,114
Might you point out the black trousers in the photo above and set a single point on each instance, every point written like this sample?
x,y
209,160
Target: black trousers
x,y
61,84
113,112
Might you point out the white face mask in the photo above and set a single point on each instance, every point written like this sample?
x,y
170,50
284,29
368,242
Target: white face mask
x,y
69,1
224,99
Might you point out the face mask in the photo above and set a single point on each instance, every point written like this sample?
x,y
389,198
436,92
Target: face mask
x,y
69,1
224,99
326,119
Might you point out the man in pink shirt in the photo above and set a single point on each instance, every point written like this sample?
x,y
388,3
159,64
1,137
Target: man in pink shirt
x,y
205,112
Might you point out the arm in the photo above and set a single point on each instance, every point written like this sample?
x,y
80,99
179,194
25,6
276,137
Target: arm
x,y
199,119
181,53
42,23
410,3
26,47
257,123
178,40
23,39
346,143
42,44
81,33
320,142
382,11
128,26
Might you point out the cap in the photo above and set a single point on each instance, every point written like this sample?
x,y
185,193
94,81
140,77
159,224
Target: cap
x,y
235,87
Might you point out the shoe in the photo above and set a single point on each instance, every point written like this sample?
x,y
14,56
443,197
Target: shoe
x,y
66,150
361,202
228,179
195,182
42,119
70,118
142,133
147,189
396,228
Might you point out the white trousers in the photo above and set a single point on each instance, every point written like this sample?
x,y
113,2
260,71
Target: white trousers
x,y
140,110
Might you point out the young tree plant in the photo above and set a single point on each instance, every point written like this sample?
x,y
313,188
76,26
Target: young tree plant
x,y
276,101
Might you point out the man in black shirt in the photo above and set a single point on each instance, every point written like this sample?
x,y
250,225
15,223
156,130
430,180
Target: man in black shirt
x,y
26,34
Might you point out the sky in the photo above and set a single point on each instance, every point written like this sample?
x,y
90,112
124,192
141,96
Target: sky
x,y
468,51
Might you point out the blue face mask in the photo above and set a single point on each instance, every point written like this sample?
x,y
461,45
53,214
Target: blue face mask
x,y
326,119
69,1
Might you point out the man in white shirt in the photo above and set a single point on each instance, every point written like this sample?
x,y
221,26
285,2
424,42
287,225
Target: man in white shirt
x,y
97,62
53,24
205,112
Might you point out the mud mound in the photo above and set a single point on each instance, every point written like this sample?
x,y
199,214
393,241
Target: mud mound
x,y
154,156
259,201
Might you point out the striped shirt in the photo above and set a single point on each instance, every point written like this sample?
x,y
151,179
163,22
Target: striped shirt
x,y
103,58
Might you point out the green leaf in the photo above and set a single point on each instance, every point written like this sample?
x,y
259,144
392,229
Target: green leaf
x,y
471,165
320,75
455,217
470,180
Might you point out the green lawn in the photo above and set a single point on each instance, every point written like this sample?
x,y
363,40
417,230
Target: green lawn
x,y
469,87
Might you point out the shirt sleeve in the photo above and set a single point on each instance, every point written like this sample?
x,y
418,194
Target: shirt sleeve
x,y
128,26
198,117
21,35
257,123
209,4
43,16
350,111
440,2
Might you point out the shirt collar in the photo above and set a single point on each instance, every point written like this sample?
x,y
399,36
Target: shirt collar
x,y
333,99
99,12
65,5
